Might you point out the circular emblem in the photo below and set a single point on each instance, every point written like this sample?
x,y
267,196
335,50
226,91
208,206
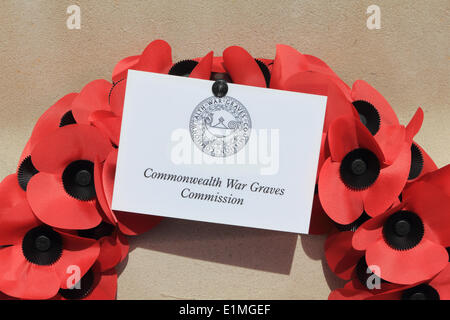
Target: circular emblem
x,y
220,127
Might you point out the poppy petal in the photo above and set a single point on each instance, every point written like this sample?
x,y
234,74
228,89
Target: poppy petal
x,y
129,223
21,279
442,283
94,96
389,184
217,65
113,250
408,266
317,65
341,257
100,192
203,69
337,105
340,203
15,222
109,174
287,62
117,97
439,178
414,125
77,252
242,68
51,119
156,57
371,230
431,204
53,206
346,134
68,144
361,90
390,139
308,82
108,123
121,69
342,137
106,288
11,192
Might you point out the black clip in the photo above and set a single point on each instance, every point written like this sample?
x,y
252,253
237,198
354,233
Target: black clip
x,y
220,88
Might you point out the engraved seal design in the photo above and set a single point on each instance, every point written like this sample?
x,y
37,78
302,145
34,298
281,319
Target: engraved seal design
x,y
220,127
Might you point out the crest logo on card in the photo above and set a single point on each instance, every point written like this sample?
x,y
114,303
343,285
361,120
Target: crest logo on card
x,y
220,127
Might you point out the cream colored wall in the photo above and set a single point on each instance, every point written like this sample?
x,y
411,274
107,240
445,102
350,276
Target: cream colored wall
x,y
407,60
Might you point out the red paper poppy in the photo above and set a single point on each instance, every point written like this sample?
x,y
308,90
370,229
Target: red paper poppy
x,y
108,123
36,257
408,242
341,257
157,57
128,223
94,285
108,120
438,178
244,69
336,91
320,223
379,117
350,264
94,96
355,178
289,62
437,288
421,163
65,161
56,116
113,244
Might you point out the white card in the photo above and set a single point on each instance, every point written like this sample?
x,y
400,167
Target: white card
x,y
247,159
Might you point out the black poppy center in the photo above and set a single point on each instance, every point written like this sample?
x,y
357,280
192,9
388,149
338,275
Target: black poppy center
x,y
25,172
81,289
67,119
368,115
403,230
102,230
83,177
359,169
78,180
265,71
183,68
416,162
421,292
42,245
220,88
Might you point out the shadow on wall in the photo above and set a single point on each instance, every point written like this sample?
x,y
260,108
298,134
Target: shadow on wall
x,y
257,249
313,246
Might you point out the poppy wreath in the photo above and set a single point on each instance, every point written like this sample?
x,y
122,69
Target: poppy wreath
x,y
379,197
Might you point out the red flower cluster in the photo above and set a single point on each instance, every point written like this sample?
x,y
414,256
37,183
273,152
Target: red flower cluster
x,y
380,197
